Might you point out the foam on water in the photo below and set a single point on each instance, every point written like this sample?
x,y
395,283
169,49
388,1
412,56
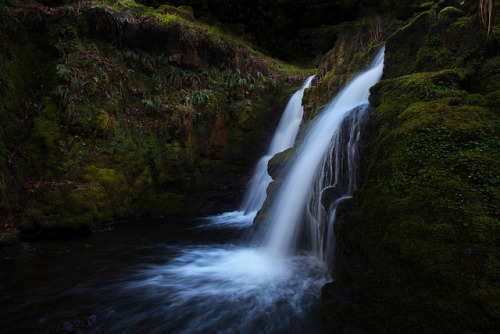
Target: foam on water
x,y
234,220
232,289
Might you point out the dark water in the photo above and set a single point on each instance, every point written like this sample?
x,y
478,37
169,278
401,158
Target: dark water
x,y
159,276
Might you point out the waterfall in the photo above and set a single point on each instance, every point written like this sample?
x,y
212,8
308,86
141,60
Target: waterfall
x,y
284,137
295,193
335,182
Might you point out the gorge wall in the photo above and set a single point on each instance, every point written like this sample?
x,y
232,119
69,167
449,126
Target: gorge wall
x,y
116,110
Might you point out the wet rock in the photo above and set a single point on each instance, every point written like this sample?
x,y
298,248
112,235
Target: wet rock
x,y
329,195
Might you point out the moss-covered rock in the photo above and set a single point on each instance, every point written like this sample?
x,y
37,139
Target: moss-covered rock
x,y
428,212
450,12
418,253
431,42
129,111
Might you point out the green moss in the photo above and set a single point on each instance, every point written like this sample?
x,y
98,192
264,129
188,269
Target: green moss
x,y
462,121
46,129
428,212
430,200
182,11
426,44
490,74
403,91
449,12
403,45
106,198
279,163
42,144
464,22
434,55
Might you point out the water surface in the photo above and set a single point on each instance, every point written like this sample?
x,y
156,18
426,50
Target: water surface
x,y
159,276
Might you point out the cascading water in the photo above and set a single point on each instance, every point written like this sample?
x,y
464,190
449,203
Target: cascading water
x,y
239,288
249,288
283,138
336,182
289,204
192,278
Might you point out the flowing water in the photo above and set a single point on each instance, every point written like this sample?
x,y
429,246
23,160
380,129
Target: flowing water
x,y
283,138
288,206
190,276
335,182
202,275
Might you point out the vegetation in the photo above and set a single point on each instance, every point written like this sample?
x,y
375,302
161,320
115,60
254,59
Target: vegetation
x,y
126,111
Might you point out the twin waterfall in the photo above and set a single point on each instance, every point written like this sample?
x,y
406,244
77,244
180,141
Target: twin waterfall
x,y
204,275
326,163
216,281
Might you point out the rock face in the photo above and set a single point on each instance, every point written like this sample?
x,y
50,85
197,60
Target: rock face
x,y
417,249
120,110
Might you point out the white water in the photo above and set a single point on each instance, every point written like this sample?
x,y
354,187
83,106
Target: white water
x,y
283,138
235,287
287,209
228,287
336,181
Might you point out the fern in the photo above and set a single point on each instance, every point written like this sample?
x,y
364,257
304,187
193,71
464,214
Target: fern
x,y
199,97
62,91
63,72
155,103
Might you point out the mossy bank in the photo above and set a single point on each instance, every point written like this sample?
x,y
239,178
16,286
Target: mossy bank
x,y
114,110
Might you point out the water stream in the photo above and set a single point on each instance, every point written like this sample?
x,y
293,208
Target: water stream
x,y
283,138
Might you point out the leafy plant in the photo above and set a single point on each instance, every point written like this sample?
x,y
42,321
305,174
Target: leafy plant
x,y
154,103
199,97
148,60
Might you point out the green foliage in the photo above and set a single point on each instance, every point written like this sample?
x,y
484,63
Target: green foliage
x,y
154,103
74,82
148,60
199,97
122,130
